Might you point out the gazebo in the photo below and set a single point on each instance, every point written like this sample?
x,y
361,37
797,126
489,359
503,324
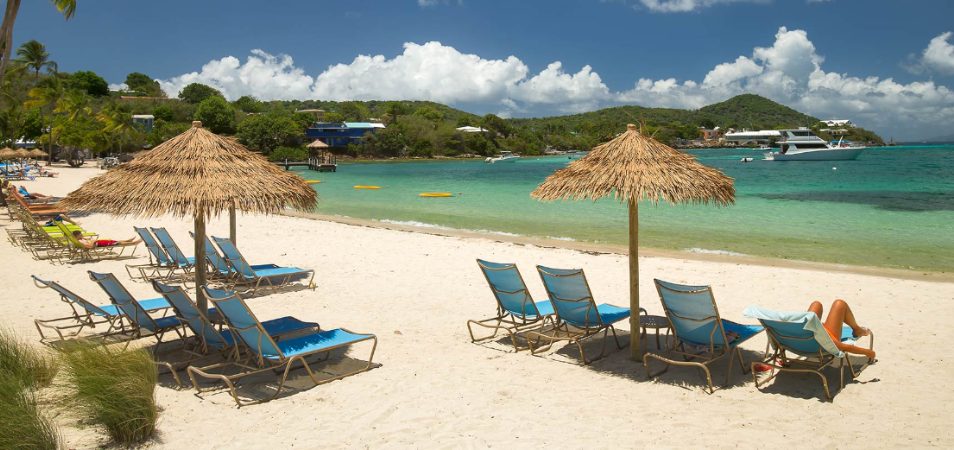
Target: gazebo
x,y
196,174
633,168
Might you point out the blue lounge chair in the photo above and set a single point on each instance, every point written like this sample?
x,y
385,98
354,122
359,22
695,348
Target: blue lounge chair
x,y
700,335
516,310
159,261
179,259
218,266
145,325
269,355
86,314
269,274
803,335
577,314
212,339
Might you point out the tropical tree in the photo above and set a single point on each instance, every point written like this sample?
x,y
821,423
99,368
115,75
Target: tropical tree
x,y
266,132
196,92
118,129
89,82
248,104
33,54
216,114
143,85
66,7
46,94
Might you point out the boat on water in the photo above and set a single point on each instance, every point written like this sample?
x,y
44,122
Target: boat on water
x,y
803,145
503,158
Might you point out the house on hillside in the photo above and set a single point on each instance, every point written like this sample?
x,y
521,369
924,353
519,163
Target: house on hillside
x,y
838,123
713,135
470,129
340,134
144,121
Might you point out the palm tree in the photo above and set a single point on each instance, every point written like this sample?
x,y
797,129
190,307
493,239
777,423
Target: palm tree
x,y
33,54
67,7
117,126
47,93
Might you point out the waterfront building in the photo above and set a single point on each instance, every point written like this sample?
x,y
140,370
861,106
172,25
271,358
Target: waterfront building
x,y
340,134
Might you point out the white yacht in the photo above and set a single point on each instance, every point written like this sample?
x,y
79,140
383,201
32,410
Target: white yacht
x,y
803,145
504,157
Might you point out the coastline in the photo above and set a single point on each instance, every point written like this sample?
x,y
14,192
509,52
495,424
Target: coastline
x,y
619,249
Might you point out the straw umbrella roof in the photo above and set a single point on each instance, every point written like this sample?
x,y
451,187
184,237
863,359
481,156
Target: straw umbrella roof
x,y
37,153
634,166
196,172
21,153
317,144
7,153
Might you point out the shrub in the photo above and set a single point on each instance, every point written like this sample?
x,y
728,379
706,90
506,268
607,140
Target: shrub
x,y
291,153
115,390
32,368
22,424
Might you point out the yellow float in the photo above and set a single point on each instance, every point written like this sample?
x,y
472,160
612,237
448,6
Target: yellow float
x,y
435,194
361,186
312,181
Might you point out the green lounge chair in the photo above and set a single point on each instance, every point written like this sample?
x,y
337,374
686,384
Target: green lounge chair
x,y
267,354
802,345
700,336
516,310
578,317
269,275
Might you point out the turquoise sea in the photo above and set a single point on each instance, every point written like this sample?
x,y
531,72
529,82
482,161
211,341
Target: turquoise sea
x,y
893,207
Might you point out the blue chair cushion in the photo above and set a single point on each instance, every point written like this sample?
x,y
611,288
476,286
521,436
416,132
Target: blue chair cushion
x,y
315,343
611,314
743,331
544,307
276,327
151,304
278,271
168,322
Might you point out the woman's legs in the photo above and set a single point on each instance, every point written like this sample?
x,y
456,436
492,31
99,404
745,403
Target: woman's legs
x,y
840,314
817,308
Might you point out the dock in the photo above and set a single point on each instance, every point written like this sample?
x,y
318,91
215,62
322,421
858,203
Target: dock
x,y
311,164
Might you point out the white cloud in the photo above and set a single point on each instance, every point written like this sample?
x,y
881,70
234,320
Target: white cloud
x,y
939,54
789,71
677,6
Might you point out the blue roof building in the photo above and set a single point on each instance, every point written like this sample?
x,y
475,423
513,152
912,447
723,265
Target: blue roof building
x,y
340,134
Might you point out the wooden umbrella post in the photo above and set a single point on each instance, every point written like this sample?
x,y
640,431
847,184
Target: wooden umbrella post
x,y
232,223
200,299
635,337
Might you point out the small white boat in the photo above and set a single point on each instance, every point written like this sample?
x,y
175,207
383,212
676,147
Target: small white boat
x,y
503,158
803,145
747,159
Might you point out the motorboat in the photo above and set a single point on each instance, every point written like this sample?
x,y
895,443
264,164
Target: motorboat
x,y
504,157
803,145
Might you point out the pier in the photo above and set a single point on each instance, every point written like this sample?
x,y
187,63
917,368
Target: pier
x,y
313,163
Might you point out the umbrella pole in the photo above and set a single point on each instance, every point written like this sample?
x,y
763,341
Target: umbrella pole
x,y
200,300
635,340
232,224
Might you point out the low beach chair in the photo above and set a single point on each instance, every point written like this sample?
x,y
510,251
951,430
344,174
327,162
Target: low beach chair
x,y
159,261
269,355
699,335
218,266
86,314
516,310
179,260
145,325
271,275
577,315
79,251
803,335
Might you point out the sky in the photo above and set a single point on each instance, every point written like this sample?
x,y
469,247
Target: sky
x,y
887,65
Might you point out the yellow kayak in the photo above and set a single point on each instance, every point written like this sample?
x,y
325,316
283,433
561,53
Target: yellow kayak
x,y
435,194
360,186
312,181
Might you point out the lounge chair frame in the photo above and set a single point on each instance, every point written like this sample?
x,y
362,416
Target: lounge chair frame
x,y
506,320
87,318
140,319
262,364
244,273
560,330
780,361
699,358
159,260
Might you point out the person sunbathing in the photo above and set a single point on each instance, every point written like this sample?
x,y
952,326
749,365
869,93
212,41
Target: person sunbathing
x,y
90,244
840,314
33,195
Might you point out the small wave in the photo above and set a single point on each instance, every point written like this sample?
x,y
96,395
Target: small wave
x,y
561,238
414,223
713,252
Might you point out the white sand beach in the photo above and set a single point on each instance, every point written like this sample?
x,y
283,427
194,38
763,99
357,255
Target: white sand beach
x,y
435,389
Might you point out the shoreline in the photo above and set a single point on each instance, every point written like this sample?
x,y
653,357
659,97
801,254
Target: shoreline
x,y
619,249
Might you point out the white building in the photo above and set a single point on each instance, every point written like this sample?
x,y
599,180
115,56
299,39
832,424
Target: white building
x,y
753,136
469,129
838,123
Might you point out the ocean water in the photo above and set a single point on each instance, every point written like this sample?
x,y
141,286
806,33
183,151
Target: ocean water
x,y
893,207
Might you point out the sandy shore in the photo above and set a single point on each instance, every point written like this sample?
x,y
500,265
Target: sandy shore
x,y
436,389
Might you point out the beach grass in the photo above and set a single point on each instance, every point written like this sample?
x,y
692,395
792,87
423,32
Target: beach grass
x,y
29,366
23,424
115,389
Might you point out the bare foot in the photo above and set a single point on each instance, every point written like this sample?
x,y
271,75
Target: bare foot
x,y
861,332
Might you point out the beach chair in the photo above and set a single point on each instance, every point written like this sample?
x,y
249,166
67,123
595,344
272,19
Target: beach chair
x,y
268,355
271,275
38,211
179,260
159,261
218,266
700,336
86,314
79,251
516,310
801,344
578,317
145,325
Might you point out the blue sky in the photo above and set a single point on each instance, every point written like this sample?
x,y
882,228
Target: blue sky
x,y
888,65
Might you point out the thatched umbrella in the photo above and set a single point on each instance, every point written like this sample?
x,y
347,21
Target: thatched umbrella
x,y
7,153
22,153
631,168
198,174
317,144
37,153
